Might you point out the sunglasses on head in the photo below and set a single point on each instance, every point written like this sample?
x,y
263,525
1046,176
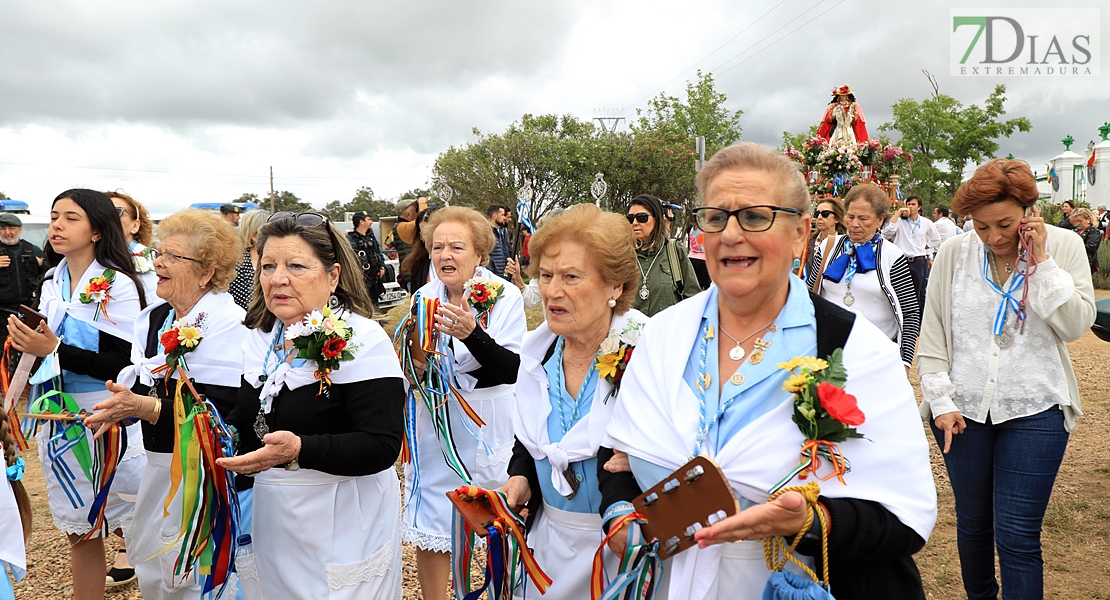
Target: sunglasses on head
x,y
304,219
823,213
638,217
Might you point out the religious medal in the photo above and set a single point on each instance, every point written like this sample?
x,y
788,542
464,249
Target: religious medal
x,y
1004,339
849,299
260,426
644,292
760,346
736,353
737,379
572,479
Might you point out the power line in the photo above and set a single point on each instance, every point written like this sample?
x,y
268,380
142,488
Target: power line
x,y
699,61
761,40
783,37
245,175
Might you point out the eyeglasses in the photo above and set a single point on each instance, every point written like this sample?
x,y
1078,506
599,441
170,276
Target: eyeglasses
x,y
304,219
168,258
753,219
823,213
637,217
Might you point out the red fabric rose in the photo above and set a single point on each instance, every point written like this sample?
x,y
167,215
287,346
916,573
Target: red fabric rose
x,y
333,347
840,404
170,341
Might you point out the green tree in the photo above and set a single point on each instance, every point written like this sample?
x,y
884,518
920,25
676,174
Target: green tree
x,y
363,200
250,198
946,137
4,196
703,113
286,200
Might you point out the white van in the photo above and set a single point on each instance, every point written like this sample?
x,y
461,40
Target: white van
x,y
34,227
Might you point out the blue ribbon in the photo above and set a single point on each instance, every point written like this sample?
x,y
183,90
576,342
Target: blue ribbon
x,y
1008,299
15,472
856,258
523,210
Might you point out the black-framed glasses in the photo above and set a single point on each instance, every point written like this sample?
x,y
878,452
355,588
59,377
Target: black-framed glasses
x,y
637,217
823,213
168,258
753,219
304,219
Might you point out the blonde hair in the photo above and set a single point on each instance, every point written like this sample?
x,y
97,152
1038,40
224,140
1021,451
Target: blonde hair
x,y
606,237
210,239
1087,214
481,234
872,195
250,223
750,156
138,213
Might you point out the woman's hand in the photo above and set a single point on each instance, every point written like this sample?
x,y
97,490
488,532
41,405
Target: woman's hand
x,y
419,367
784,515
618,542
36,342
455,321
513,273
618,464
1032,228
951,424
122,404
280,448
517,494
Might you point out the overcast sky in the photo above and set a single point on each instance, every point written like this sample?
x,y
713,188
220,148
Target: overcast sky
x,y
178,102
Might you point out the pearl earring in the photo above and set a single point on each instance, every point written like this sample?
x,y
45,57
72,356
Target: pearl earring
x,y
612,303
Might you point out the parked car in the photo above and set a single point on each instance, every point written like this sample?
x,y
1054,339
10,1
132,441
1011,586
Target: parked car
x,y
34,226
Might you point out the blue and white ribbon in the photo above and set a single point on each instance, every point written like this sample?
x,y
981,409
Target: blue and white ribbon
x,y
1008,299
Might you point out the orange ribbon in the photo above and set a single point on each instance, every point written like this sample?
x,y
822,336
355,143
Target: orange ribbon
x,y
811,458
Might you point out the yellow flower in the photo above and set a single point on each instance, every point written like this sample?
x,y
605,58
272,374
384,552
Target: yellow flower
x,y
796,383
607,364
793,364
814,364
189,336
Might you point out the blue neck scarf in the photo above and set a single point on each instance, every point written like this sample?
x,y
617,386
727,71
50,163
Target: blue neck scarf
x,y
856,258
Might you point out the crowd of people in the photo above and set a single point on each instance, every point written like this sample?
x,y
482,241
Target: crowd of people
x,y
651,351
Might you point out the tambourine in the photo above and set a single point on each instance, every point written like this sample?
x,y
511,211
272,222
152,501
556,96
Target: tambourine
x,y
695,496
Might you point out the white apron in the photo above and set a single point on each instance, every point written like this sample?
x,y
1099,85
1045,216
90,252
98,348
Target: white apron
x,y
12,550
564,543
317,535
428,512
121,499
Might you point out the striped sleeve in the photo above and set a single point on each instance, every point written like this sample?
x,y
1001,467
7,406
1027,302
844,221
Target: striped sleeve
x,y
902,283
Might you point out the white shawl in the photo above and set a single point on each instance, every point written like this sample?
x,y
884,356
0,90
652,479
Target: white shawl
x,y
216,360
122,308
656,419
12,549
373,359
533,406
507,325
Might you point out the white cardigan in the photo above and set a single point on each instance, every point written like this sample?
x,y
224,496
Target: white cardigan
x,y
1068,321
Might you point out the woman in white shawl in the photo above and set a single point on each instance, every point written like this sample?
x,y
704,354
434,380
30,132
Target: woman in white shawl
x,y
480,349
90,301
319,423
15,514
705,380
194,264
585,262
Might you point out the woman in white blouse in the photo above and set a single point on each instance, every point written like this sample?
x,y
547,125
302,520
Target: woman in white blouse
x,y
995,370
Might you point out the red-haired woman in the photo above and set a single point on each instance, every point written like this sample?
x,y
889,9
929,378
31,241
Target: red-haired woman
x,y
1000,307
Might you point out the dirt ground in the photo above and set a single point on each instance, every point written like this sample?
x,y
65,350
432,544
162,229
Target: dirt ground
x,y
1076,528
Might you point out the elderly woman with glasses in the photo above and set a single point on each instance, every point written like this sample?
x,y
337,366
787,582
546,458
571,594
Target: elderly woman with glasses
x,y
666,274
478,324
194,263
867,274
319,421
715,377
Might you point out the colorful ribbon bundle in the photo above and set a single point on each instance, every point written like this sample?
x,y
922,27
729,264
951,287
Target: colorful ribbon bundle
x,y
505,548
99,465
435,387
812,451
640,567
5,386
209,503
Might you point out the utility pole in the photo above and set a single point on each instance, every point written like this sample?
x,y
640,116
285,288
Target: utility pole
x,y
271,189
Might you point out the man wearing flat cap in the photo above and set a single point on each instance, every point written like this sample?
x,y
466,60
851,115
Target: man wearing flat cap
x,y
369,254
20,269
231,213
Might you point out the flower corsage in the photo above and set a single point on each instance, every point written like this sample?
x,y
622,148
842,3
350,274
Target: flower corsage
x,y
323,336
824,413
482,294
142,261
98,291
615,352
183,336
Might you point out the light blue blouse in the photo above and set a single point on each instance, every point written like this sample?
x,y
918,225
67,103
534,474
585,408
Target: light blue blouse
x,y
588,497
761,389
78,334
